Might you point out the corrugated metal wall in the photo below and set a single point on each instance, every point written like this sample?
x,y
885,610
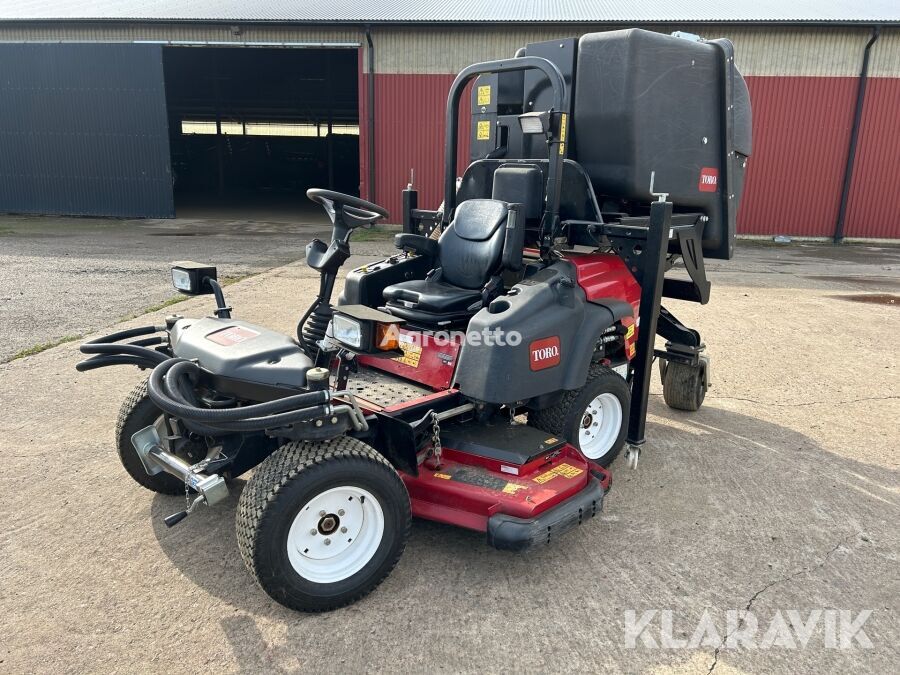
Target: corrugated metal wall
x,y
803,88
83,130
801,132
874,204
802,80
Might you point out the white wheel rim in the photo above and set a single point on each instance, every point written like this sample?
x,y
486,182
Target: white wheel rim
x,y
335,534
600,425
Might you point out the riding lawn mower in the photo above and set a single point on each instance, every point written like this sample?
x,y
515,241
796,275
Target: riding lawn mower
x,y
488,373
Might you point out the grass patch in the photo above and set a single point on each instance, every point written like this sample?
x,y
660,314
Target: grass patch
x,y
372,234
6,231
44,346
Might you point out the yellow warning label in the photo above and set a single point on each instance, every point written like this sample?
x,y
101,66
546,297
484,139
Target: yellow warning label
x,y
411,355
562,134
629,332
512,488
564,470
484,130
484,95
551,440
445,476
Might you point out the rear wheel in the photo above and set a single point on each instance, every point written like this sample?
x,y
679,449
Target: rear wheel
x,y
684,386
593,418
321,524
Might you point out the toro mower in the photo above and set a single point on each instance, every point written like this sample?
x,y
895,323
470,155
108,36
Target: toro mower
x,y
486,374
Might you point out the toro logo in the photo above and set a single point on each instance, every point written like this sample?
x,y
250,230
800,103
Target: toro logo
x,y
709,179
544,353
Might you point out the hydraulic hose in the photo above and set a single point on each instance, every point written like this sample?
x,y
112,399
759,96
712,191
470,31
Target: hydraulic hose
x,y
126,334
170,388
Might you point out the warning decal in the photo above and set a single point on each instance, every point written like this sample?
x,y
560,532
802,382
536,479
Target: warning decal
x,y
484,130
562,135
512,488
565,470
484,95
411,355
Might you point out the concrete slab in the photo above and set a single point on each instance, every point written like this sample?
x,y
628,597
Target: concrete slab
x,y
780,494
63,277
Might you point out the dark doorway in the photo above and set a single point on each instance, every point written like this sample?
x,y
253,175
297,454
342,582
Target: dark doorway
x,y
254,128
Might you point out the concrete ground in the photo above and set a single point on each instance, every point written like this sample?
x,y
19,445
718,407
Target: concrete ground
x,y
780,494
64,277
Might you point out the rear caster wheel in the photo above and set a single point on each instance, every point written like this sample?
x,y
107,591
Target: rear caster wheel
x,y
684,386
321,524
594,418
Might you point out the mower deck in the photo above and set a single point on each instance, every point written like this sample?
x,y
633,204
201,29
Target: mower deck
x,y
513,482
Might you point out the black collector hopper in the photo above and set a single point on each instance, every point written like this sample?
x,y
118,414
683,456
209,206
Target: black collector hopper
x,y
646,102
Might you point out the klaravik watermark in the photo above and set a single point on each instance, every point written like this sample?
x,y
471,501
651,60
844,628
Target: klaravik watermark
x,y
743,629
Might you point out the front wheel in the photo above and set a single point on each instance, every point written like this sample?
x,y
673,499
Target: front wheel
x,y
321,524
593,418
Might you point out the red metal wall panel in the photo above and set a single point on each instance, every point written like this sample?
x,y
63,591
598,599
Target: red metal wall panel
x,y
409,118
801,130
874,204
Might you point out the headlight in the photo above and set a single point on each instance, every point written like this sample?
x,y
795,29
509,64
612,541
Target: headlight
x,y
347,331
181,279
189,277
366,331
535,122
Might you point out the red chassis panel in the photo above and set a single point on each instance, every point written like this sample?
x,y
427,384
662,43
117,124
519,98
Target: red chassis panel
x,y
426,359
464,492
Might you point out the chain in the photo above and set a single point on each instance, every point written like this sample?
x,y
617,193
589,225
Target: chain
x,y
195,468
436,438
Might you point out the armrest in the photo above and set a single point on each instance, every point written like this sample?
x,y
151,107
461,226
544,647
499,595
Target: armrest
x,y
418,243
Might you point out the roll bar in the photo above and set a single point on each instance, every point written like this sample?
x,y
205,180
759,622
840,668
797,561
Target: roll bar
x,y
452,120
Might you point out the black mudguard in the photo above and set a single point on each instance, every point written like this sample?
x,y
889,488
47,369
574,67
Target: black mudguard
x,y
558,328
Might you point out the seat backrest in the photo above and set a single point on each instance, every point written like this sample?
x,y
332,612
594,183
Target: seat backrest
x,y
520,184
471,247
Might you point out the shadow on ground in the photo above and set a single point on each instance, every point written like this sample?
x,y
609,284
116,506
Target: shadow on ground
x,y
763,529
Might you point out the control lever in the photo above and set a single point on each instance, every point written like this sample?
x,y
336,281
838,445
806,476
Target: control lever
x,y
176,518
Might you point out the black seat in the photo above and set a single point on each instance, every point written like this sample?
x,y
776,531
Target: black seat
x,y
469,255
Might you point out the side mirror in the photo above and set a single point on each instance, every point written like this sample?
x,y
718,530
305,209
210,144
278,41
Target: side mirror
x,y
191,278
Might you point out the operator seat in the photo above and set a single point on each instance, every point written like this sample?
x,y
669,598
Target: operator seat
x,y
485,237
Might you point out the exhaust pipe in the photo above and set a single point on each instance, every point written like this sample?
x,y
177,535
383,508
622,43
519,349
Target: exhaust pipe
x,y
156,459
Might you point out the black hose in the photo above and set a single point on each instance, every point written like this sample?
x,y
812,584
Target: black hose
x,y
126,334
129,350
148,342
101,361
167,388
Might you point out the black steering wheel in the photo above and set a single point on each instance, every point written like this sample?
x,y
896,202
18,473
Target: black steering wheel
x,y
354,212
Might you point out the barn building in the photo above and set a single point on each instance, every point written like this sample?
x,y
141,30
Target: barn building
x,y
133,108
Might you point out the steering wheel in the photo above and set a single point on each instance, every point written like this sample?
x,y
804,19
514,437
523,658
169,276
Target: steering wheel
x,y
354,212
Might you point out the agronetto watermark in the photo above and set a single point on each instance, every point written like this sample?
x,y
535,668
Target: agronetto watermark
x,y
495,337
743,629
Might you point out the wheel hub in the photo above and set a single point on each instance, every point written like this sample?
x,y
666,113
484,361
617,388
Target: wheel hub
x,y
328,524
335,534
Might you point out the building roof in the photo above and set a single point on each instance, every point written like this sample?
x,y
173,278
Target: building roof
x,y
458,11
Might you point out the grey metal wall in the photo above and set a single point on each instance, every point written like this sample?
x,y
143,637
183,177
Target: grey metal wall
x,y
83,130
